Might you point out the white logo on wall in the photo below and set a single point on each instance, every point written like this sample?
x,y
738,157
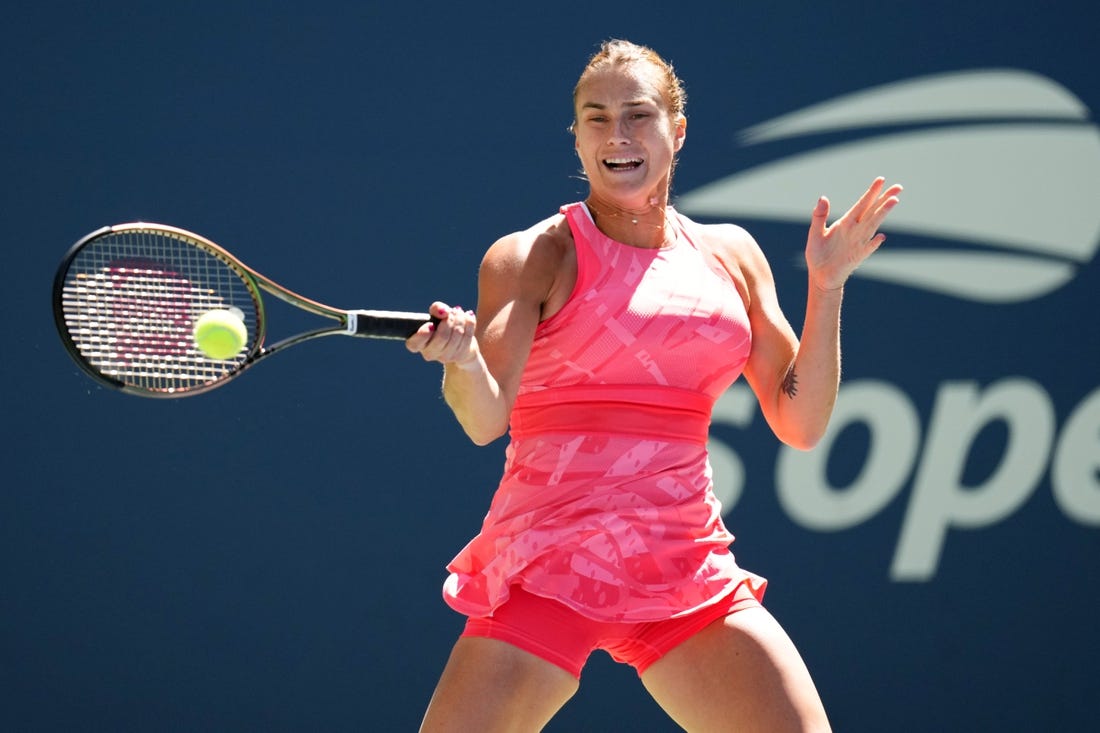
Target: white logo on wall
x,y
1012,168
1004,171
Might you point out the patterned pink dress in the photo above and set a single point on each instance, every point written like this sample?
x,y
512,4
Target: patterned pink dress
x,y
606,503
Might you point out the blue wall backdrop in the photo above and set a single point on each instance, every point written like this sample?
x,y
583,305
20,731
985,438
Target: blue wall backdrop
x,y
268,557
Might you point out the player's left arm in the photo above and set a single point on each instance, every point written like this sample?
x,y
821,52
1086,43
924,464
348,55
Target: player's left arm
x,y
796,379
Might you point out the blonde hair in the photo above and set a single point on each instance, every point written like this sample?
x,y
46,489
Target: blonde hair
x,y
620,54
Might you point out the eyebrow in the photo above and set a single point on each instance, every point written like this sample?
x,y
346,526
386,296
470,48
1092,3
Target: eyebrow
x,y
599,105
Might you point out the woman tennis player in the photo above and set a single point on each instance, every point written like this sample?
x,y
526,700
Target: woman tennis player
x,y
603,336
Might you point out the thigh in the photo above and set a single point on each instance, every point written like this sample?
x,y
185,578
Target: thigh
x,y
740,673
489,685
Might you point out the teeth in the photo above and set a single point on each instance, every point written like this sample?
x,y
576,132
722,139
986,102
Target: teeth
x,y
623,164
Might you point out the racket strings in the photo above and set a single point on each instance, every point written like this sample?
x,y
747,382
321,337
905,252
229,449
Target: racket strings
x,y
130,301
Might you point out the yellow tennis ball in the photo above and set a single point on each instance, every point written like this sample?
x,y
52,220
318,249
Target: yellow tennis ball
x,y
220,334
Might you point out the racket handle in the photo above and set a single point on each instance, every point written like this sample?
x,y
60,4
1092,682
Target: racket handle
x,y
386,324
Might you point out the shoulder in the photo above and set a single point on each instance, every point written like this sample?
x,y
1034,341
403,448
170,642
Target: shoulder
x,y
542,244
729,242
738,255
536,265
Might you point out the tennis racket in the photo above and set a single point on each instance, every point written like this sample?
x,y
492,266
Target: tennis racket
x,y
126,298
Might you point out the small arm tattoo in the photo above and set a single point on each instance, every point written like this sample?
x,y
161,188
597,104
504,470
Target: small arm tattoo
x,y
790,383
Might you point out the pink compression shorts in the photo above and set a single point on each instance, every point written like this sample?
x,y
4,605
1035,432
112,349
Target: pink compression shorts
x,y
554,632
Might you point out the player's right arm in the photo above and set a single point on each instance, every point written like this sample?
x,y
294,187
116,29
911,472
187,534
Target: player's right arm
x,y
483,356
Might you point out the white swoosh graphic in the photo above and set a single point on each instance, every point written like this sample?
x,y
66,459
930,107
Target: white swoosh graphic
x,y
954,96
1026,187
984,277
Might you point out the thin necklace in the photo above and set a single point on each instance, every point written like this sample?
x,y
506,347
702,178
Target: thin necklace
x,y
633,215
624,213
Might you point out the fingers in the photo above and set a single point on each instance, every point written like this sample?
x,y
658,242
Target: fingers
x,y
423,335
867,200
819,218
883,205
869,211
450,340
873,206
834,252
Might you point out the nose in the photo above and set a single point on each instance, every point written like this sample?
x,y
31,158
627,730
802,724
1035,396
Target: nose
x,y
619,134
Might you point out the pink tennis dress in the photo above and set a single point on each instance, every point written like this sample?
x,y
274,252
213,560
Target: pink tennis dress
x,y
606,503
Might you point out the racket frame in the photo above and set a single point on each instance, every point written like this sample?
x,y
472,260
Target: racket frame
x,y
377,324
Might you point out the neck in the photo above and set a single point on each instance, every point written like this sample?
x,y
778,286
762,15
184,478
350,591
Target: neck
x,y
645,227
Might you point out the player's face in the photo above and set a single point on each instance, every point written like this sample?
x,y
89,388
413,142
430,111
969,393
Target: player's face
x,y
625,135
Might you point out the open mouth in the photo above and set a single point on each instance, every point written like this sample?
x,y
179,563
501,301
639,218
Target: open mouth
x,y
622,164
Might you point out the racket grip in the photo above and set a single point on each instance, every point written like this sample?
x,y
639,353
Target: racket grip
x,y
386,324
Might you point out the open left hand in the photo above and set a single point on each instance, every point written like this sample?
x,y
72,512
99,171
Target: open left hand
x,y
834,252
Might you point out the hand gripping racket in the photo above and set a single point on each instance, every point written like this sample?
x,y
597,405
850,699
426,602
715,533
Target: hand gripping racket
x,y
126,298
